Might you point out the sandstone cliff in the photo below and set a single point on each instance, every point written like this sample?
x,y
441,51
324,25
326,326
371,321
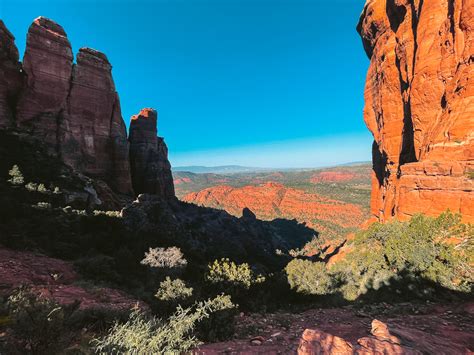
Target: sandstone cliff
x,y
73,108
151,170
420,105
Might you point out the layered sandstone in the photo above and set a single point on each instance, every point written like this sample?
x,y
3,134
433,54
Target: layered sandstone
x,y
151,170
420,105
75,110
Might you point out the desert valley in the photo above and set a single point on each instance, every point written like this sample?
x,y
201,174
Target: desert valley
x,y
105,248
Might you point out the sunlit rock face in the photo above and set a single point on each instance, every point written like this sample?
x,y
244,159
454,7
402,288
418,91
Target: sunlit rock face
x,y
151,170
419,107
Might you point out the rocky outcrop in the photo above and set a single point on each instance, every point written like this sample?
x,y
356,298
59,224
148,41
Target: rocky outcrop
x,y
47,65
314,341
95,136
420,105
11,81
151,170
75,111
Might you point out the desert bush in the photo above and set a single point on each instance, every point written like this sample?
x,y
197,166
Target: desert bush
x,y
416,249
31,186
225,271
164,258
42,188
413,255
309,277
173,290
151,335
38,323
112,214
16,177
44,205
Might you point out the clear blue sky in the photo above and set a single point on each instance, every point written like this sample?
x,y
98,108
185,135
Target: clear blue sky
x,y
249,82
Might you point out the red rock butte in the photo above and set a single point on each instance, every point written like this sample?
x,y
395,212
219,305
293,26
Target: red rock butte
x,y
75,110
419,106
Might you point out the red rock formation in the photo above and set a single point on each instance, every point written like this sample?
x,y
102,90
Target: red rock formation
x,y
11,81
47,64
95,137
74,109
273,200
420,105
151,170
315,341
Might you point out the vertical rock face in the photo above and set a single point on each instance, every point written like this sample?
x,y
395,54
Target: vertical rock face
x,y
151,170
11,79
47,64
74,109
420,105
93,133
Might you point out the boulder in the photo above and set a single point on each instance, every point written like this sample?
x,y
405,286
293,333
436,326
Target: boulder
x,y
317,342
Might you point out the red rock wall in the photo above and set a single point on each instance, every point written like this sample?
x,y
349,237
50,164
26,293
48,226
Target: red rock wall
x,y
419,98
11,78
151,170
75,110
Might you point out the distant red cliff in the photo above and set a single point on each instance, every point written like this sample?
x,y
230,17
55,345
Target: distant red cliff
x,y
419,106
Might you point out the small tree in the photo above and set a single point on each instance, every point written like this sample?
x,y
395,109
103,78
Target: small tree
x,y
16,177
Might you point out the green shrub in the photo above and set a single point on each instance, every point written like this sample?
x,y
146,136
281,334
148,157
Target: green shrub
x,y
16,177
225,271
173,290
150,335
411,255
309,277
408,252
38,323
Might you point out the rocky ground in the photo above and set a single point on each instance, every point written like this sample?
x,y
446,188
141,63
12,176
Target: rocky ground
x,y
58,280
414,328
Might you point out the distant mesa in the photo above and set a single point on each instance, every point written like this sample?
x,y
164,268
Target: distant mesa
x,y
419,101
75,110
